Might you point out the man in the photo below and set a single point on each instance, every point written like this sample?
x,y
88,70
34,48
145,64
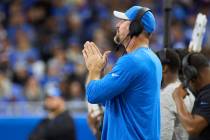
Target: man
x,y
171,128
196,71
59,124
130,92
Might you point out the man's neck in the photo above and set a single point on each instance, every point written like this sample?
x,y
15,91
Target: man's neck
x,y
137,42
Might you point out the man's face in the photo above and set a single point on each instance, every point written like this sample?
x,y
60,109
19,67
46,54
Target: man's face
x,y
122,30
52,103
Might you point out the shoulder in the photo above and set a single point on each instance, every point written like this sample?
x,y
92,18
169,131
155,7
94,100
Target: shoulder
x,y
126,61
204,95
128,58
166,100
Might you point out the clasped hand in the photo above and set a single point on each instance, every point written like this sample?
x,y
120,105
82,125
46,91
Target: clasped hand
x,y
94,60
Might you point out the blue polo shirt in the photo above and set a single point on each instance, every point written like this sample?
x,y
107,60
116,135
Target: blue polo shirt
x,y
131,95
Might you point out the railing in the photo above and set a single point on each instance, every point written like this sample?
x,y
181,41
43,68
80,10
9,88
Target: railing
x,y
35,109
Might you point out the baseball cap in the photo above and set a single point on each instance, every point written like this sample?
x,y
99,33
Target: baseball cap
x,y
147,20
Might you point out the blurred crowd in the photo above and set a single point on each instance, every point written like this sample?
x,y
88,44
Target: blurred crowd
x,y
41,41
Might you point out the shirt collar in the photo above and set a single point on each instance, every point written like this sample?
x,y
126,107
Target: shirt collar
x,y
201,91
204,88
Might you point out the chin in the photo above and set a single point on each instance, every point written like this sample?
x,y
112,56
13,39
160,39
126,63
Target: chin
x,y
117,39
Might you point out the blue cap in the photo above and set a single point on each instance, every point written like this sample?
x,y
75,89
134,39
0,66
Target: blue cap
x,y
147,20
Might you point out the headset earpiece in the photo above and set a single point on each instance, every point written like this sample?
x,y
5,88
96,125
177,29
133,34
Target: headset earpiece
x,y
136,26
189,71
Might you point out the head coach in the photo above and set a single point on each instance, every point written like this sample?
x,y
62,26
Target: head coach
x,y
131,91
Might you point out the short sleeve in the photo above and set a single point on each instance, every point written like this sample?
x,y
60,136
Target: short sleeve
x,y
202,107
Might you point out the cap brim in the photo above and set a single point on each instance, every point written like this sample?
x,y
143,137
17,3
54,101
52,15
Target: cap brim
x,y
120,15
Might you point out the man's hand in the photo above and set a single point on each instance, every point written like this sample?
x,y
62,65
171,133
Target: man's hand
x,y
179,93
94,60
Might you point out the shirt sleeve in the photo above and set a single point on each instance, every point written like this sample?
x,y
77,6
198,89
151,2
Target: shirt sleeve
x,y
203,107
112,84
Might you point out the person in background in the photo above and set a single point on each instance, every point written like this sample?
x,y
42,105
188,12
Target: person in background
x,y
59,124
32,90
171,128
196,71
76,90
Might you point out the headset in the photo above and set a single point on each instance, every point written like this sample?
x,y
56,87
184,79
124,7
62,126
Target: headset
x,y
188,70
136,27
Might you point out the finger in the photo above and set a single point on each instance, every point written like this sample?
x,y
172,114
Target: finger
x,y
95,48
105,55
86,44
84,54
87,48
90,48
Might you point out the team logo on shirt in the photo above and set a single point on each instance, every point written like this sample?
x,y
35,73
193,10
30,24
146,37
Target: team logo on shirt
x,y
203,103
114,75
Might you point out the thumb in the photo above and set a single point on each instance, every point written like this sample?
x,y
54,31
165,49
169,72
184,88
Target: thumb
x,y
105,55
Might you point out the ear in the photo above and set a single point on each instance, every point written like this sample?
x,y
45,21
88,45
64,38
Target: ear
x,y
165,68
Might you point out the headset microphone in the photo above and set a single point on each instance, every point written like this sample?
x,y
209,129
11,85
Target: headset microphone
x,y
119,43
135,28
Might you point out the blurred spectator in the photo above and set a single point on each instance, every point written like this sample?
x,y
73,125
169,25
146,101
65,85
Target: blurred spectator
x,y
74,27
17,21
73,51
33,90
76,90
23,51
72,88
5,87
5,51
171,127
20,75
58,125
177,35
38,69
74,55
58,65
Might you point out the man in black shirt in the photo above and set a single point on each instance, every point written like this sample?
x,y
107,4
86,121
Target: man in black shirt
x,y
196,72
58,125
